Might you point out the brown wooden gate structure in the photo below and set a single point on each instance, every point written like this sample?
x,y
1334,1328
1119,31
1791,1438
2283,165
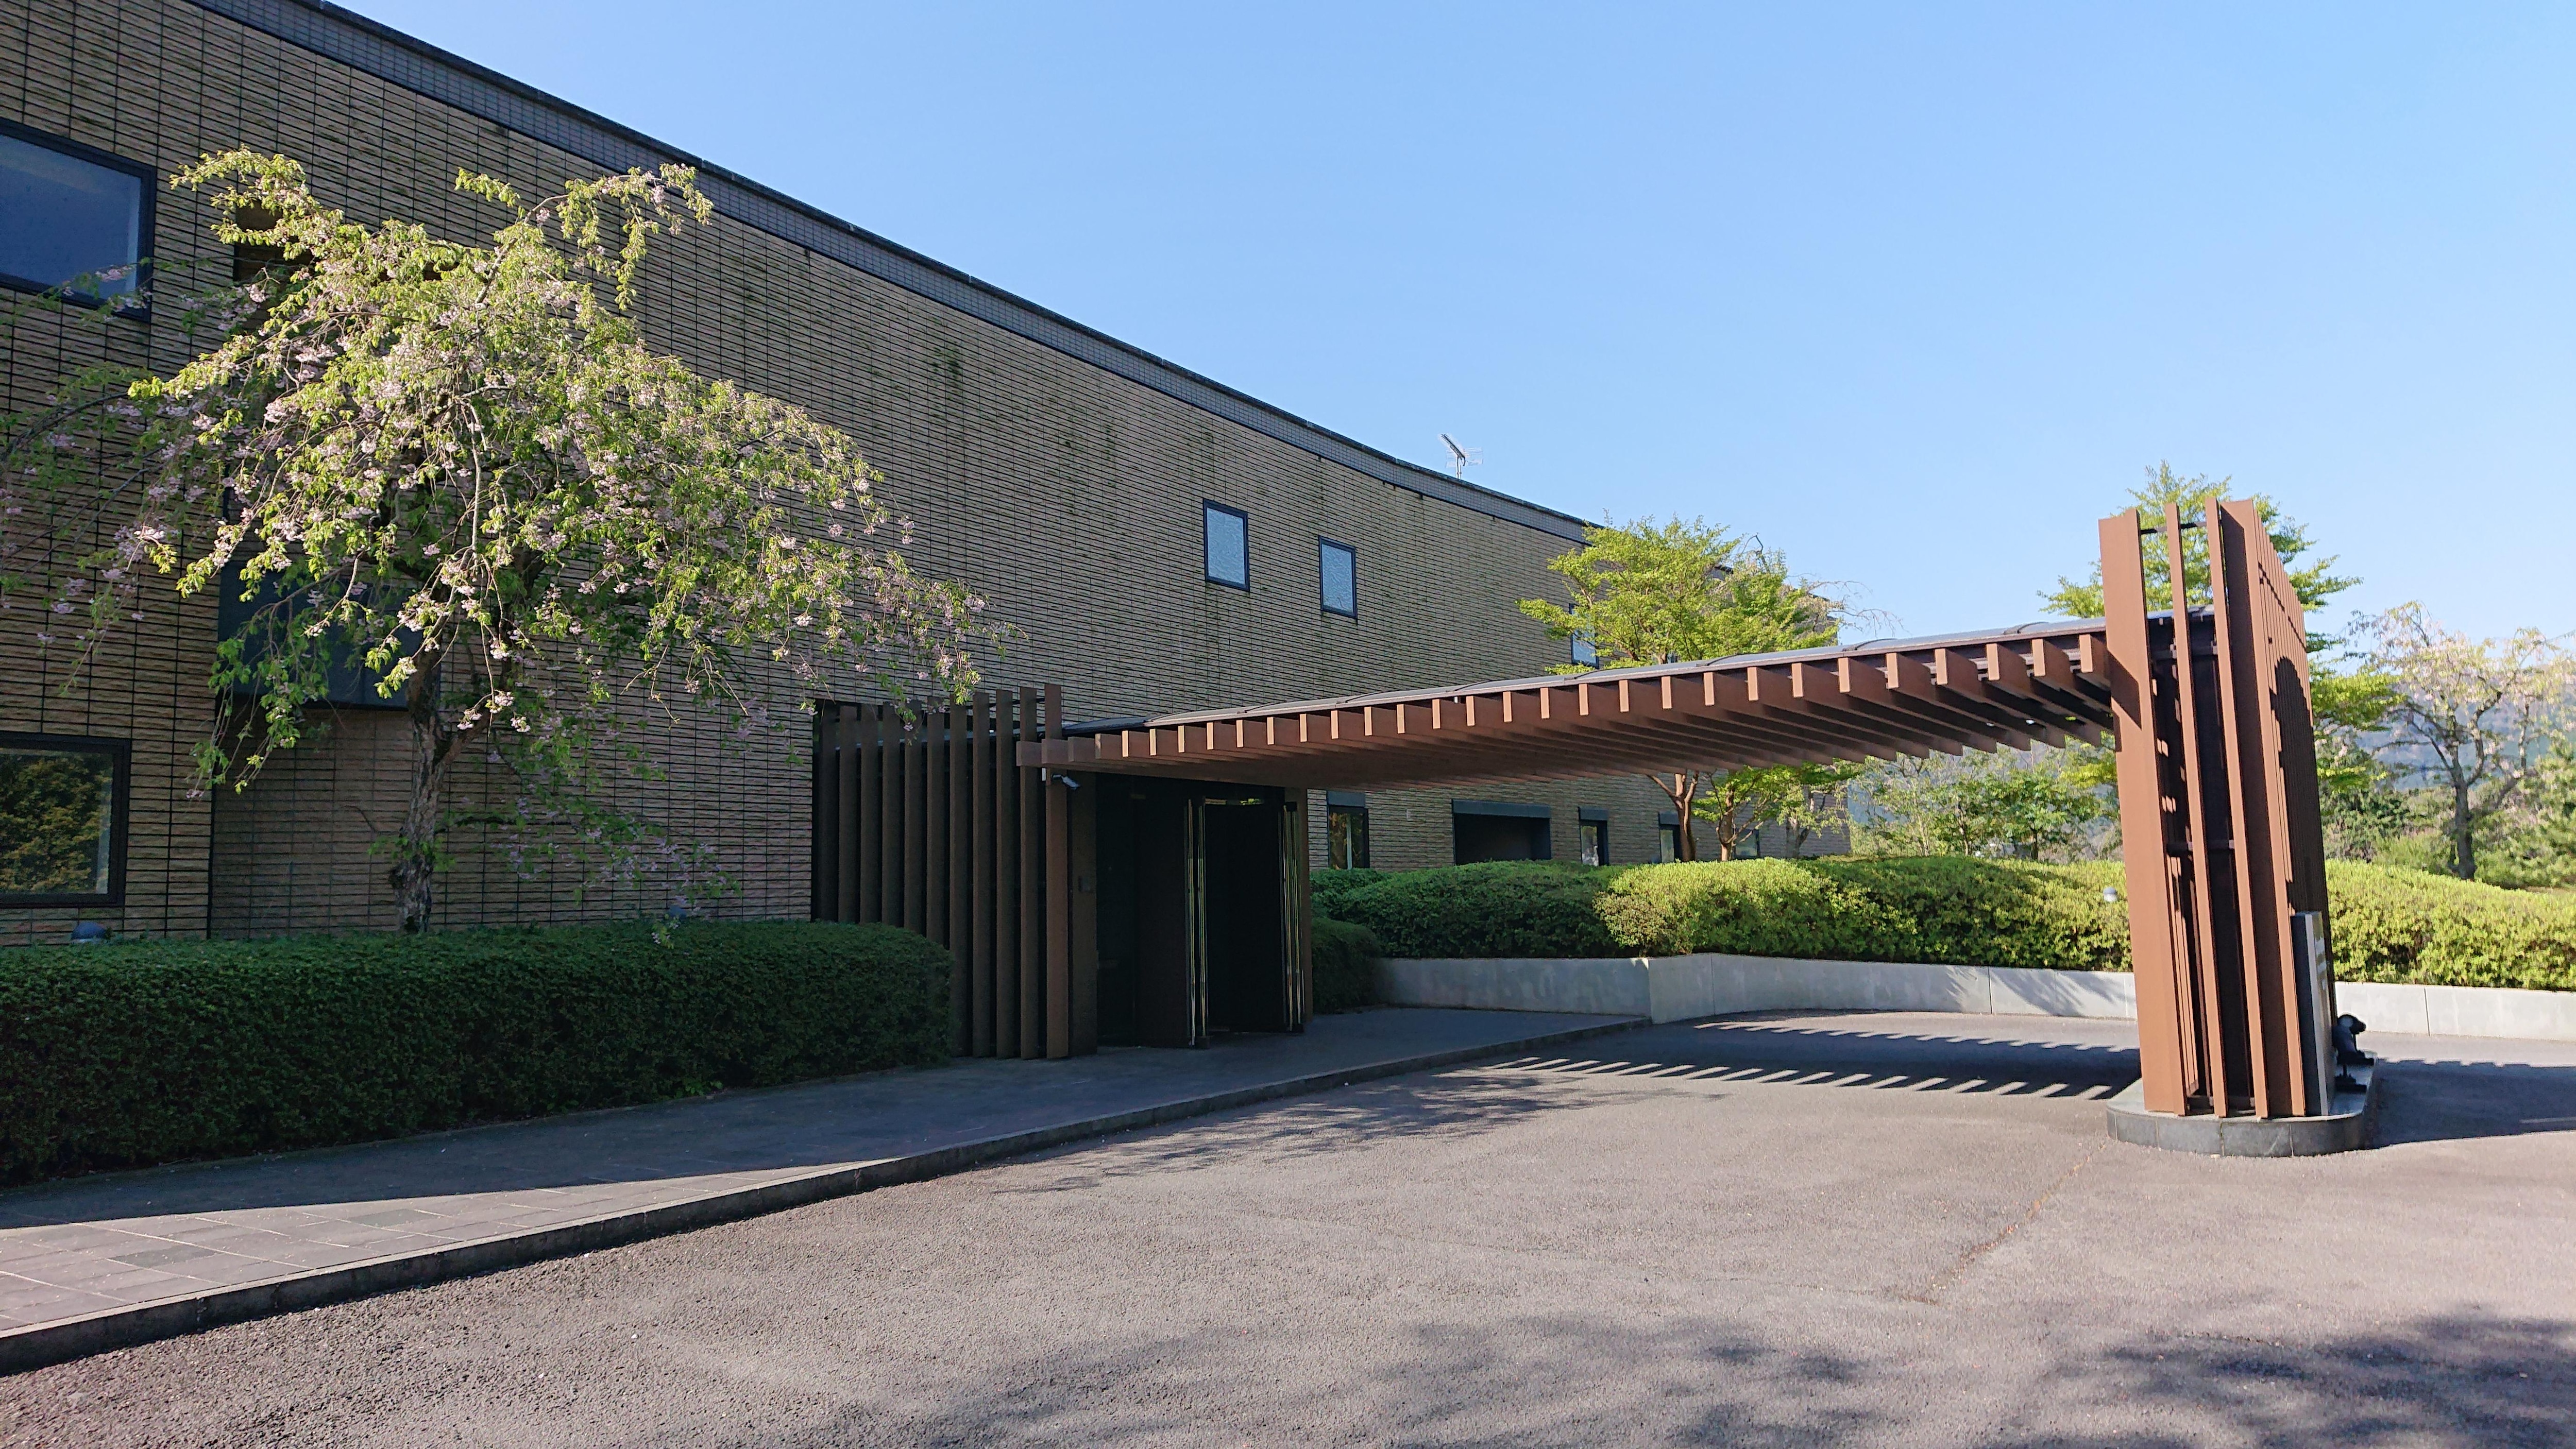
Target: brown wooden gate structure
x,y
2207,702
2225,855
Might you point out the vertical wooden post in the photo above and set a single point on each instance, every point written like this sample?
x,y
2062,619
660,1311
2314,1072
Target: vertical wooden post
x,y
2218,1071
1086,916
2248,812
890,821
960,831
1006,876
868,818
1059,892
1032,815
908,840
961,823
980,805
845,817
936,825
2159,968
824,905
1298,912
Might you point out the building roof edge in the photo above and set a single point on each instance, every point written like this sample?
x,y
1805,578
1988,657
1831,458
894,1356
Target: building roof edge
x,y
416,65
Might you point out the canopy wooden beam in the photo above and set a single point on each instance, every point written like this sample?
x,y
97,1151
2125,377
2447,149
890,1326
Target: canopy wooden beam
x,y
1879,700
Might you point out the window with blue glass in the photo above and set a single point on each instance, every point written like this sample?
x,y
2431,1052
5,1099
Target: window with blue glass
x,y
1585,656
72,218
1340,565
1228,557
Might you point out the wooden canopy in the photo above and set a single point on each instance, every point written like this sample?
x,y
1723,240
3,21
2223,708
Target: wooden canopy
x,y
965,821
2042,683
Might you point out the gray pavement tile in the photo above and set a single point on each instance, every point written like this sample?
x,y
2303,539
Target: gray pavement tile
x,y
69,1236
395,1217
134,1285
165,1256
224,1270
54,1305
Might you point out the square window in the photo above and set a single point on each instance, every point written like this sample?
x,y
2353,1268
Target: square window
x,y
1227,556
72,217
62,820
1584,655
1340,577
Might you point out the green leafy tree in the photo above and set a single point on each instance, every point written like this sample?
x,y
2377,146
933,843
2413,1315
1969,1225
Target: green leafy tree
x,y
2537,845
1804,799
459,467
2313,579
2349,700
1819,802
1659,592
2045,804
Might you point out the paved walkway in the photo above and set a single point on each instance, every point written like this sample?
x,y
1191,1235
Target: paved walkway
x,y
1874,1230
96,1262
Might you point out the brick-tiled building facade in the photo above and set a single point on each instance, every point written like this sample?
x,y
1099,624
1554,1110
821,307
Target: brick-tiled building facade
x,y
1057,472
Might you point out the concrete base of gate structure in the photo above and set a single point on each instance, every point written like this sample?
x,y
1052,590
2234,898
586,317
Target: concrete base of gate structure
x,y
2347,1128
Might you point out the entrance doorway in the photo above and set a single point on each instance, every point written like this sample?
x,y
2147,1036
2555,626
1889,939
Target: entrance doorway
x,y
1202,924
1244,935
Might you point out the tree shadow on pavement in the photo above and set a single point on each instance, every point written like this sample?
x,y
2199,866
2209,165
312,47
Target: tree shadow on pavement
x,y
1570,1380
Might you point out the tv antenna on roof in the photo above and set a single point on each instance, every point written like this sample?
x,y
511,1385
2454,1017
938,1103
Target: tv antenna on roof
x,y
1461,459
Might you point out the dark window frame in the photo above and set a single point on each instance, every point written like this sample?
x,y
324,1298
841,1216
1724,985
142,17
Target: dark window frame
x,y
120,753
1208,507
1323,546
1580,652
1353,807
1594,822
136,304
1668,839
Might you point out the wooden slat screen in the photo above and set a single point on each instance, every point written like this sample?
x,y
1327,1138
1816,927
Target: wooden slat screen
x,y
927,820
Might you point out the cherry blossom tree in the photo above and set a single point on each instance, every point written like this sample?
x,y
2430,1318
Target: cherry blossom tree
x,y
2474,719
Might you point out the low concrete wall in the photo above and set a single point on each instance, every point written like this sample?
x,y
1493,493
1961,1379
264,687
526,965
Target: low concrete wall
x,y
1682,988
2493,1011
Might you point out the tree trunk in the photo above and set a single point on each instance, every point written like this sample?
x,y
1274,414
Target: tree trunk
x,y
1680,789
433,743
2464,847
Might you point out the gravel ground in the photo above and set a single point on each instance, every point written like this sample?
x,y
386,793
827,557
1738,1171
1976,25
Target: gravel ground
x,y
1873,1229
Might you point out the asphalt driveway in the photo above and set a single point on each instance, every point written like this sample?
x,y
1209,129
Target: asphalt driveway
x,y
1819,1230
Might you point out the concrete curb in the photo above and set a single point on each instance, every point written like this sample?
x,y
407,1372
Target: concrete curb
x,y
1686,988
2347,1128
49,1343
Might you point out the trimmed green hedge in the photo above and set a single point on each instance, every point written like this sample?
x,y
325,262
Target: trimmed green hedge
x,y
127,1054
1498,908
2389,925
1939,908
1345,958
2410,926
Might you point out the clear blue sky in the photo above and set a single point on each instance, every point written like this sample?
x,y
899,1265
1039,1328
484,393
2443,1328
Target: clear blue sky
x,y
1913,292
